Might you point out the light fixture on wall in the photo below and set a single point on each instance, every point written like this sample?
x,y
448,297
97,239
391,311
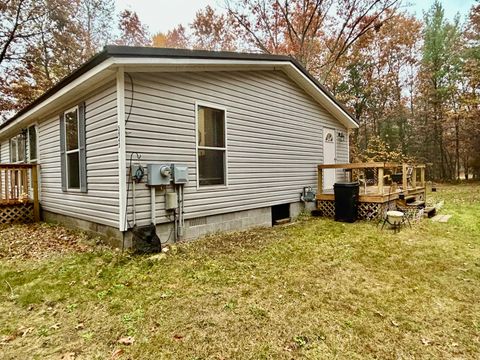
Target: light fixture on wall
x,y
341,136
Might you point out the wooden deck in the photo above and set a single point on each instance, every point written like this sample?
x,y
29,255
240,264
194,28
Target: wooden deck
x,y
372,194
383,186
19,201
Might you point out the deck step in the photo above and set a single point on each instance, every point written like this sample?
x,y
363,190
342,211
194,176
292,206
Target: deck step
x,y
417,203
441,218
430,211
410,198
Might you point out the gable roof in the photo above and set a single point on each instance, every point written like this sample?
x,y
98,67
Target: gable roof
x,y
127,55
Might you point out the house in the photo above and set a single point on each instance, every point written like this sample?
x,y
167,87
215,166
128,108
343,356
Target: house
x,y
244,132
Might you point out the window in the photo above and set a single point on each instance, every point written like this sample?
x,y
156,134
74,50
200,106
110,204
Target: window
x,y
13,150
32,143
211,146
72,149
73,156
17,149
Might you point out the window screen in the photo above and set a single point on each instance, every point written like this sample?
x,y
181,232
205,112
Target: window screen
x,y
72,149
32,143
211,146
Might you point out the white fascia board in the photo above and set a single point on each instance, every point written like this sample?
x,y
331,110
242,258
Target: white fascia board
x,y
189,61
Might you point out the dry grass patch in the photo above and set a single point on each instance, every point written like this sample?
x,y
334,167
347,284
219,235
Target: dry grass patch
x,y
314,290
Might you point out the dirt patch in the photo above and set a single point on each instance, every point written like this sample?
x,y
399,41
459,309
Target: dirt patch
x,y
39,241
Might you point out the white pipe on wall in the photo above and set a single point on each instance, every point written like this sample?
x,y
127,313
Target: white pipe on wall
x,y
152,204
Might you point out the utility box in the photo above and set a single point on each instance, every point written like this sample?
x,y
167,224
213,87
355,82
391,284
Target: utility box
x,y
179,174
171,201
159,175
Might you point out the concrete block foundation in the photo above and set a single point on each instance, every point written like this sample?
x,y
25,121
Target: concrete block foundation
x,y
194,228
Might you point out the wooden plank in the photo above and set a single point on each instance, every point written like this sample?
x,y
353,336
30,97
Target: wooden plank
x,y
36,204
414,177
422,177
430,211
371,165
404,177
282,221
445,218
441,218
16,166
416,203
320,181
7,195
380,180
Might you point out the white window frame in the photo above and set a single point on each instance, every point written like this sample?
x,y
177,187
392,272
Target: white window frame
x,y
225,148
75,108
30,145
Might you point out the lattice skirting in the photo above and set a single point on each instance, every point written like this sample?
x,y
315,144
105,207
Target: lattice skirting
x,y
366,211
326,208
414,214
16,213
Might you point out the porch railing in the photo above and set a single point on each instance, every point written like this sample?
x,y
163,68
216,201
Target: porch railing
x,y
408,176
19,185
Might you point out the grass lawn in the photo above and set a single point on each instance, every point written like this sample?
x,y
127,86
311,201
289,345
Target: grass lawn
x,y
313,290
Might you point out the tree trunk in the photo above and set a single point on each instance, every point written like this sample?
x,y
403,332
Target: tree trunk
x,y
457,147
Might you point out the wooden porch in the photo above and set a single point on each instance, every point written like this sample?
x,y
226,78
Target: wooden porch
x,y
19,200
383,186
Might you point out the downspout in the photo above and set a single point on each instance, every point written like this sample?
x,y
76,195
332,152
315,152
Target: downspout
x,y
122,154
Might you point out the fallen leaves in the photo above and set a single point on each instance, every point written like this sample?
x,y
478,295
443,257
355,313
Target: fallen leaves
x,y
20,332
7,339
426,341
127,340
68,356
41,240
117,353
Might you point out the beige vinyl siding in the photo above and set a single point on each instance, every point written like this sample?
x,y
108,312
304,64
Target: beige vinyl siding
x,y
5,152
4,159
100,203
274,136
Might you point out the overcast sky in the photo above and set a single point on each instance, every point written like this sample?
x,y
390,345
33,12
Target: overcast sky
x,y
163,15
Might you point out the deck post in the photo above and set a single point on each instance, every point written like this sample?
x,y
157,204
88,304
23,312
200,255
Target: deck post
x,y
404,178
414,177
320,181
422,176
36,204
380,180
7,189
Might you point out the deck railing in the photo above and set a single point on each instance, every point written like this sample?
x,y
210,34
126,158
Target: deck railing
x,y
412,175
19,185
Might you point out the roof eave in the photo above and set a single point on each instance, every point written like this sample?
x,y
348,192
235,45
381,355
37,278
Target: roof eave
x,y
113,56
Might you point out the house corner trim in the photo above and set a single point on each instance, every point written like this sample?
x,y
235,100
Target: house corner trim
x,y
121,138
